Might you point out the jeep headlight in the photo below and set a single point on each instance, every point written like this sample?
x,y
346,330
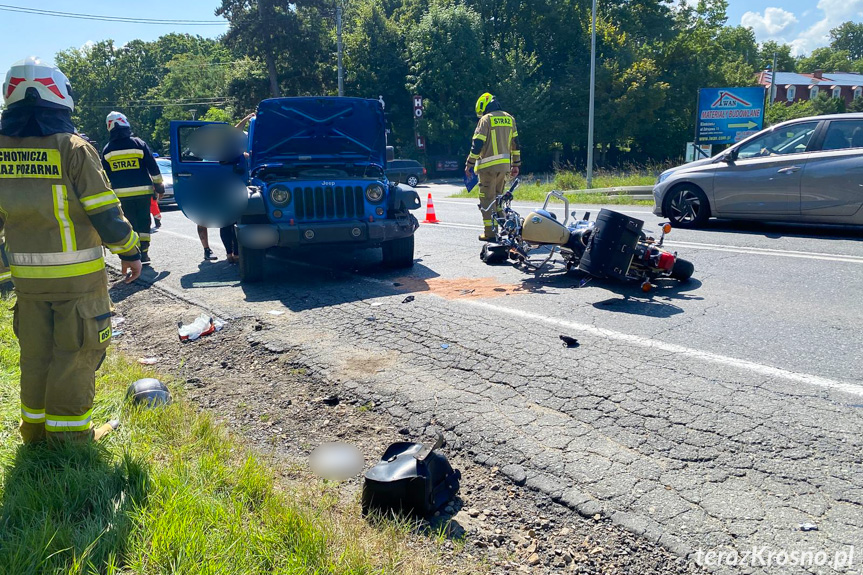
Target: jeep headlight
x,y
375,193
280,195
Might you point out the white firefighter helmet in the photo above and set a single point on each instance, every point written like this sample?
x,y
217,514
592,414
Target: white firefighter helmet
x,y
116,119
43,82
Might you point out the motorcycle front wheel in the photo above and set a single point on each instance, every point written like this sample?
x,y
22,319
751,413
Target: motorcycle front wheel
x,y
682,270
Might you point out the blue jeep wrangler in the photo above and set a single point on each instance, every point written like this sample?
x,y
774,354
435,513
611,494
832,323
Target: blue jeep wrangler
x,y
315,175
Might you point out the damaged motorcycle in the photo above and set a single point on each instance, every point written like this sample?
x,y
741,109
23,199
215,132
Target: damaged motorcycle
x,y
614,246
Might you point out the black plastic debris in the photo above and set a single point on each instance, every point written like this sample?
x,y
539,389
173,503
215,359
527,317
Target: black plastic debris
x,y
408,299
569,341
411,478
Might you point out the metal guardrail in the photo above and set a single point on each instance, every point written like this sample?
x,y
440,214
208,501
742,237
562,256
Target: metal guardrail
x,y
634,192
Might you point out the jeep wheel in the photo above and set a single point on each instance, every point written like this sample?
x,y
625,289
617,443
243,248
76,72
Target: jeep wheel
x,y
399,253
412,181
251,265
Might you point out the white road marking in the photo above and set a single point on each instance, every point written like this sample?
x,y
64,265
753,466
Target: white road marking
x,y
179,235
646,342
770,252
640,341
718,248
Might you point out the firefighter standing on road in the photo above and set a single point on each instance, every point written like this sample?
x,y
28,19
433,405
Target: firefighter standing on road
x,y
57,209
134,175
494,153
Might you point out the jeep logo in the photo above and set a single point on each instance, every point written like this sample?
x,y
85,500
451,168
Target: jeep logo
x,y
325,184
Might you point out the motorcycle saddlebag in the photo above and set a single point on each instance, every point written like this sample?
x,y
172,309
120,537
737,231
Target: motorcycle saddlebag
x,y
411,478
611,246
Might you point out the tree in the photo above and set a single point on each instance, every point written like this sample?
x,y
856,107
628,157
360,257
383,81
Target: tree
x,y
445,56
827,59
785,62
375,65
848,37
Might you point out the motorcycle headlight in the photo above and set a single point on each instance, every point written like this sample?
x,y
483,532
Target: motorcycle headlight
x,y
375,193
280,195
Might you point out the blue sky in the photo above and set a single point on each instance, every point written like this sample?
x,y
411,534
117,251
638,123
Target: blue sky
x,y
802,23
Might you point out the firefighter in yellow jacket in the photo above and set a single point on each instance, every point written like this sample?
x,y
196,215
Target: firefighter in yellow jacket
x,y
57,210
494,154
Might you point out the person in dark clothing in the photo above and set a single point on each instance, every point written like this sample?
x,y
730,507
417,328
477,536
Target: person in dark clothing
x,y
229,240
134,175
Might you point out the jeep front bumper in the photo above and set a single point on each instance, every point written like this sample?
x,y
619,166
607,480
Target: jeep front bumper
x,y
356,233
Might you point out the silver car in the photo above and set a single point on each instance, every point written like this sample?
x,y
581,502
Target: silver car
x,y
168,180
805,170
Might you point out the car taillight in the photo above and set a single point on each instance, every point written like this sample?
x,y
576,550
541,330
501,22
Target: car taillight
x,y
666,261
424,171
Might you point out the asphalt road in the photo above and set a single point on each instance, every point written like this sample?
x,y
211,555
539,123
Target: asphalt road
x,y
718,414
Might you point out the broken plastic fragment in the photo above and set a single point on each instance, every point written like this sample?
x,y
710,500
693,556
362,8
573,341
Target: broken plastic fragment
x,y
148,360
444,346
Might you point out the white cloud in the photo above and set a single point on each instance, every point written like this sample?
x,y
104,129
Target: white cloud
x,y
771,24
87,45
835,13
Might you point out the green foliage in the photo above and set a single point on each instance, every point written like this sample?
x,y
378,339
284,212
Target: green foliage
x,y
827,59
848,37
780,112
171,491
652,58
450,86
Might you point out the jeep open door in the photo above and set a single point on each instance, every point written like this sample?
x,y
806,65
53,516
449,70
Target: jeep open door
x,y
210,193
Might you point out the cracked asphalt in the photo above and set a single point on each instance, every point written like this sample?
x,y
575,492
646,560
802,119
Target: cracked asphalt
x,y
716,415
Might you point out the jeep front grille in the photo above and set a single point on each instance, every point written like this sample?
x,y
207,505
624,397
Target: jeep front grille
x,y
329,203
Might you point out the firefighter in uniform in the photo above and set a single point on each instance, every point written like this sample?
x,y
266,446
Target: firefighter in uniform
x,y
494,153
134,175
57,210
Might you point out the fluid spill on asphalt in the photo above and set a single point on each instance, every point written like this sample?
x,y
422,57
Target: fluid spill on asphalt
x,y
465,288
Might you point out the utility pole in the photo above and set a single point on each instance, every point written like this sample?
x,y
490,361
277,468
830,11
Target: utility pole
x,y
339,42
773,80
592,95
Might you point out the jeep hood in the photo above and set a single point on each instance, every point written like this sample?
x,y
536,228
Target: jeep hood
x,y
319,131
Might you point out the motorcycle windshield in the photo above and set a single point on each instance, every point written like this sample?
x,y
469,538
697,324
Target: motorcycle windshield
x,y
319,130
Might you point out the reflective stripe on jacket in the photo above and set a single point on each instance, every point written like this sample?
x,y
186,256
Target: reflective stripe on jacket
x,y
57,209
495,142
131,167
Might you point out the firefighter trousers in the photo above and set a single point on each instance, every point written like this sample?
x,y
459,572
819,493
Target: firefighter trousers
x,y
491,183
137,211
62,344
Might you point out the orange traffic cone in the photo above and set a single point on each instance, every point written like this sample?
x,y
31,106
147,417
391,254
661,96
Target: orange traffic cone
x,y
431,218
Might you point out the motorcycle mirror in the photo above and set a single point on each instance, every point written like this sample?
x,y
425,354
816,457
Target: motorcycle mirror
x,y
586,216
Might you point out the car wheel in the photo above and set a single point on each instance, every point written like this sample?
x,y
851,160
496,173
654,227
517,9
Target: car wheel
x,y
399,253
686,206
251,265
413,181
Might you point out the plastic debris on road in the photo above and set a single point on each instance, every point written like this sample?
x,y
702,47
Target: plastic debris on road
x,y
117,321
148,360
203,325
408,299
569,341
808,527
276,312
444,346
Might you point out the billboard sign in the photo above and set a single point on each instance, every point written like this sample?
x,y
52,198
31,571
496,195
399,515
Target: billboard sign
x,y
728,115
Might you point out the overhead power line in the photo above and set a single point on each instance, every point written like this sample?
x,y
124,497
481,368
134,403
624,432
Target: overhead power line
x,y
103,18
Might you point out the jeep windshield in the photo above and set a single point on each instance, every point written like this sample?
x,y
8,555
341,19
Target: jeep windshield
x,y
318,132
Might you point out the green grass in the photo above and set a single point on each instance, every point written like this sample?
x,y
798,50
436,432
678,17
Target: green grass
x,y
534,190
173,492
